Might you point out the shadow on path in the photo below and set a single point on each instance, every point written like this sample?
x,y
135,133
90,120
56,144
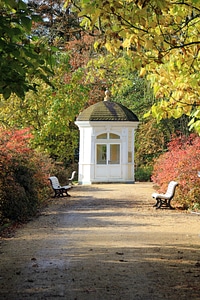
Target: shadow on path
x,y
105,242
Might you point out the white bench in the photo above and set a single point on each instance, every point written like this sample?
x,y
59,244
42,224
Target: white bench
x,y
60,191
165,199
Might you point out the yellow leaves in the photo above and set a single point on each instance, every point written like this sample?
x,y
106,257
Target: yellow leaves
x,y
194,123
157,113
148,44
165,109
196,114
151,24
113,46
148,114
156,88
127,43
66,4
88,22
158,38
178,94
142,72
129,40
177,113
97,45
152,33
175,84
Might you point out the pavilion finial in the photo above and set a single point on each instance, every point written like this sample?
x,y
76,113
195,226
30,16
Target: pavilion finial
x,y
107,95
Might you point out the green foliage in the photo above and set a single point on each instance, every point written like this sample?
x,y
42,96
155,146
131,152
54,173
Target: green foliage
x,y
23,176
150,141
143,173
22,56
151,138
57,134
181,163
123,82
63,173
50,113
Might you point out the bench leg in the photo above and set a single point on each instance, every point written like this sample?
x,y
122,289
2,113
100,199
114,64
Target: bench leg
x,y
157,203
57,193
168,204
60,193
68,195
64,191
163,202
160,202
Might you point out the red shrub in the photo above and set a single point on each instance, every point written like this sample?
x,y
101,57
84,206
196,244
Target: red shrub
x,y
181,163
23,175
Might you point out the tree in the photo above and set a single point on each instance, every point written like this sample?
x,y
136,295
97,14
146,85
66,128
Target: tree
x,y
81,53
58,24
162,39
22,56
50,113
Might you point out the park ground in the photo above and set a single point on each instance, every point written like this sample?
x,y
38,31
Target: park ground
x,y
105,242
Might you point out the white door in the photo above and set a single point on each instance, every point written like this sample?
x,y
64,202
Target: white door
x,y
108,161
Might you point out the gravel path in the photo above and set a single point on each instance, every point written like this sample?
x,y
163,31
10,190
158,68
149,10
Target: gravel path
x,y
105,242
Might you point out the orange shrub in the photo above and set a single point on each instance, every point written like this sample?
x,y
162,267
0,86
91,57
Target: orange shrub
x,y
23,176
181,163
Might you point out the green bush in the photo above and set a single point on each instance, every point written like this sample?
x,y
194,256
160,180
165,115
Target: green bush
x,y
143,173
62,173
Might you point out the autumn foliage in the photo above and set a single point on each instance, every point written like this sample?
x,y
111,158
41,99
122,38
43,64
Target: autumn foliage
x,y
181,163
23,176
81,52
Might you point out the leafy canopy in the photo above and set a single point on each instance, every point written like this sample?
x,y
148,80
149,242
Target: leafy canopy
x,y
21,54
162,39
58,25
50,113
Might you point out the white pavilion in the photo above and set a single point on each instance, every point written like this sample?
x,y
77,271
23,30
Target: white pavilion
x,y
106,149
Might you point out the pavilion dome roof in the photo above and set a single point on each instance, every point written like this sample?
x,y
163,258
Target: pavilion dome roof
x,y
107,111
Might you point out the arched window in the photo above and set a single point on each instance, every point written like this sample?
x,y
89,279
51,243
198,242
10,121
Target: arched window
x,y
102,136
105,136
113,136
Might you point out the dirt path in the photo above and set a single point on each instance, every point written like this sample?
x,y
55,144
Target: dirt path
x,y
105,242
